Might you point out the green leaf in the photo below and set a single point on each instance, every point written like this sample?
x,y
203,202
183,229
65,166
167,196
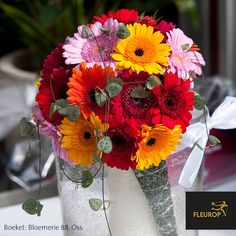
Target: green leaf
x,y
32,207
199,101
153,81
105,144
61,103
95,203
116,80
70,111
53,109
139,92
113,89
185,47
100,98
86,32
123,32
87,179
96,158
213,140
26,128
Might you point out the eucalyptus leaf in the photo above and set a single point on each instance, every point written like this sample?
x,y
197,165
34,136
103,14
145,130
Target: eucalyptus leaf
x,y
96,158
61,103
153,81
213,140
116,80
100,98
113,89
86,32
53,109
70,111
139,92
32,207
105,144
199,101
185,47
87,179
26,128
123,32
95,203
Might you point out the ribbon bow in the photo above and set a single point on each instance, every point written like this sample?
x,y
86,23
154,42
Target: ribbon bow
x,y
224,117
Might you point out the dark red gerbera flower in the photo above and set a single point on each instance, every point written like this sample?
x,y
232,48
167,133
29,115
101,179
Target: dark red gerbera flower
x,y
125,16
53,61
149,21
51,90
175,102
53,86
124,137
129,107
165,27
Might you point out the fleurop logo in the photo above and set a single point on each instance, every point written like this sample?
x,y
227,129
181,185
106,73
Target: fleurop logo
x,y
211,210
218,209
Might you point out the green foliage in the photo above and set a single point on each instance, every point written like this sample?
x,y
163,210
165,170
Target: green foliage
x,y
123,32
100,98
87,179
95,204
105,144
86,32
65,109
26,128
32,207
113,89
213,140
153,81
199,101
139,92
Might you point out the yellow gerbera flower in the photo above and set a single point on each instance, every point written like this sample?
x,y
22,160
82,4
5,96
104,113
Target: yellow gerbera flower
x,y
157,144
79,138
143,50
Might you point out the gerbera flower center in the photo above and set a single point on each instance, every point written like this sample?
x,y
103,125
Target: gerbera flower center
x,y
139,52
92,95
97,50
87,135
135,107
151,141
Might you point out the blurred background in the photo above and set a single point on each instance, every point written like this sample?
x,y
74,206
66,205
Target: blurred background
x,y
30,29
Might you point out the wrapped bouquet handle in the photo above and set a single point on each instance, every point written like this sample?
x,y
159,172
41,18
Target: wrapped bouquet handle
x,y
224,117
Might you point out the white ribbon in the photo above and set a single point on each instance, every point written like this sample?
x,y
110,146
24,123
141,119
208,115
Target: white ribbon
x,y
224,117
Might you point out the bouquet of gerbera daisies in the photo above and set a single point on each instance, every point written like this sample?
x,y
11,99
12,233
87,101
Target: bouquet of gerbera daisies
x,y
118,92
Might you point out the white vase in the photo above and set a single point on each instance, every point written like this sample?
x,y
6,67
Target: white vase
x,y
130,213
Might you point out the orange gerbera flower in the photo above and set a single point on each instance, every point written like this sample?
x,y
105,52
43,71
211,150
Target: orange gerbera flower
x,y
83,84
157,144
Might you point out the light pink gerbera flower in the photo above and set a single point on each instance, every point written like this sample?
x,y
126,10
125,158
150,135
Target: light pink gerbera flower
x,y
184,59
95,49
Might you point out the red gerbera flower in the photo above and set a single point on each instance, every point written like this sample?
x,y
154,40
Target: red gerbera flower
x,y
124,135
83,84
165,27
175,102
51,90
53,85
129,107
53,61
149,21
125,16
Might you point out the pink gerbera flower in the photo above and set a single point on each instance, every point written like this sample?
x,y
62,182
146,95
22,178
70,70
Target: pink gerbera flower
x,y
95,49
184,59
50,131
